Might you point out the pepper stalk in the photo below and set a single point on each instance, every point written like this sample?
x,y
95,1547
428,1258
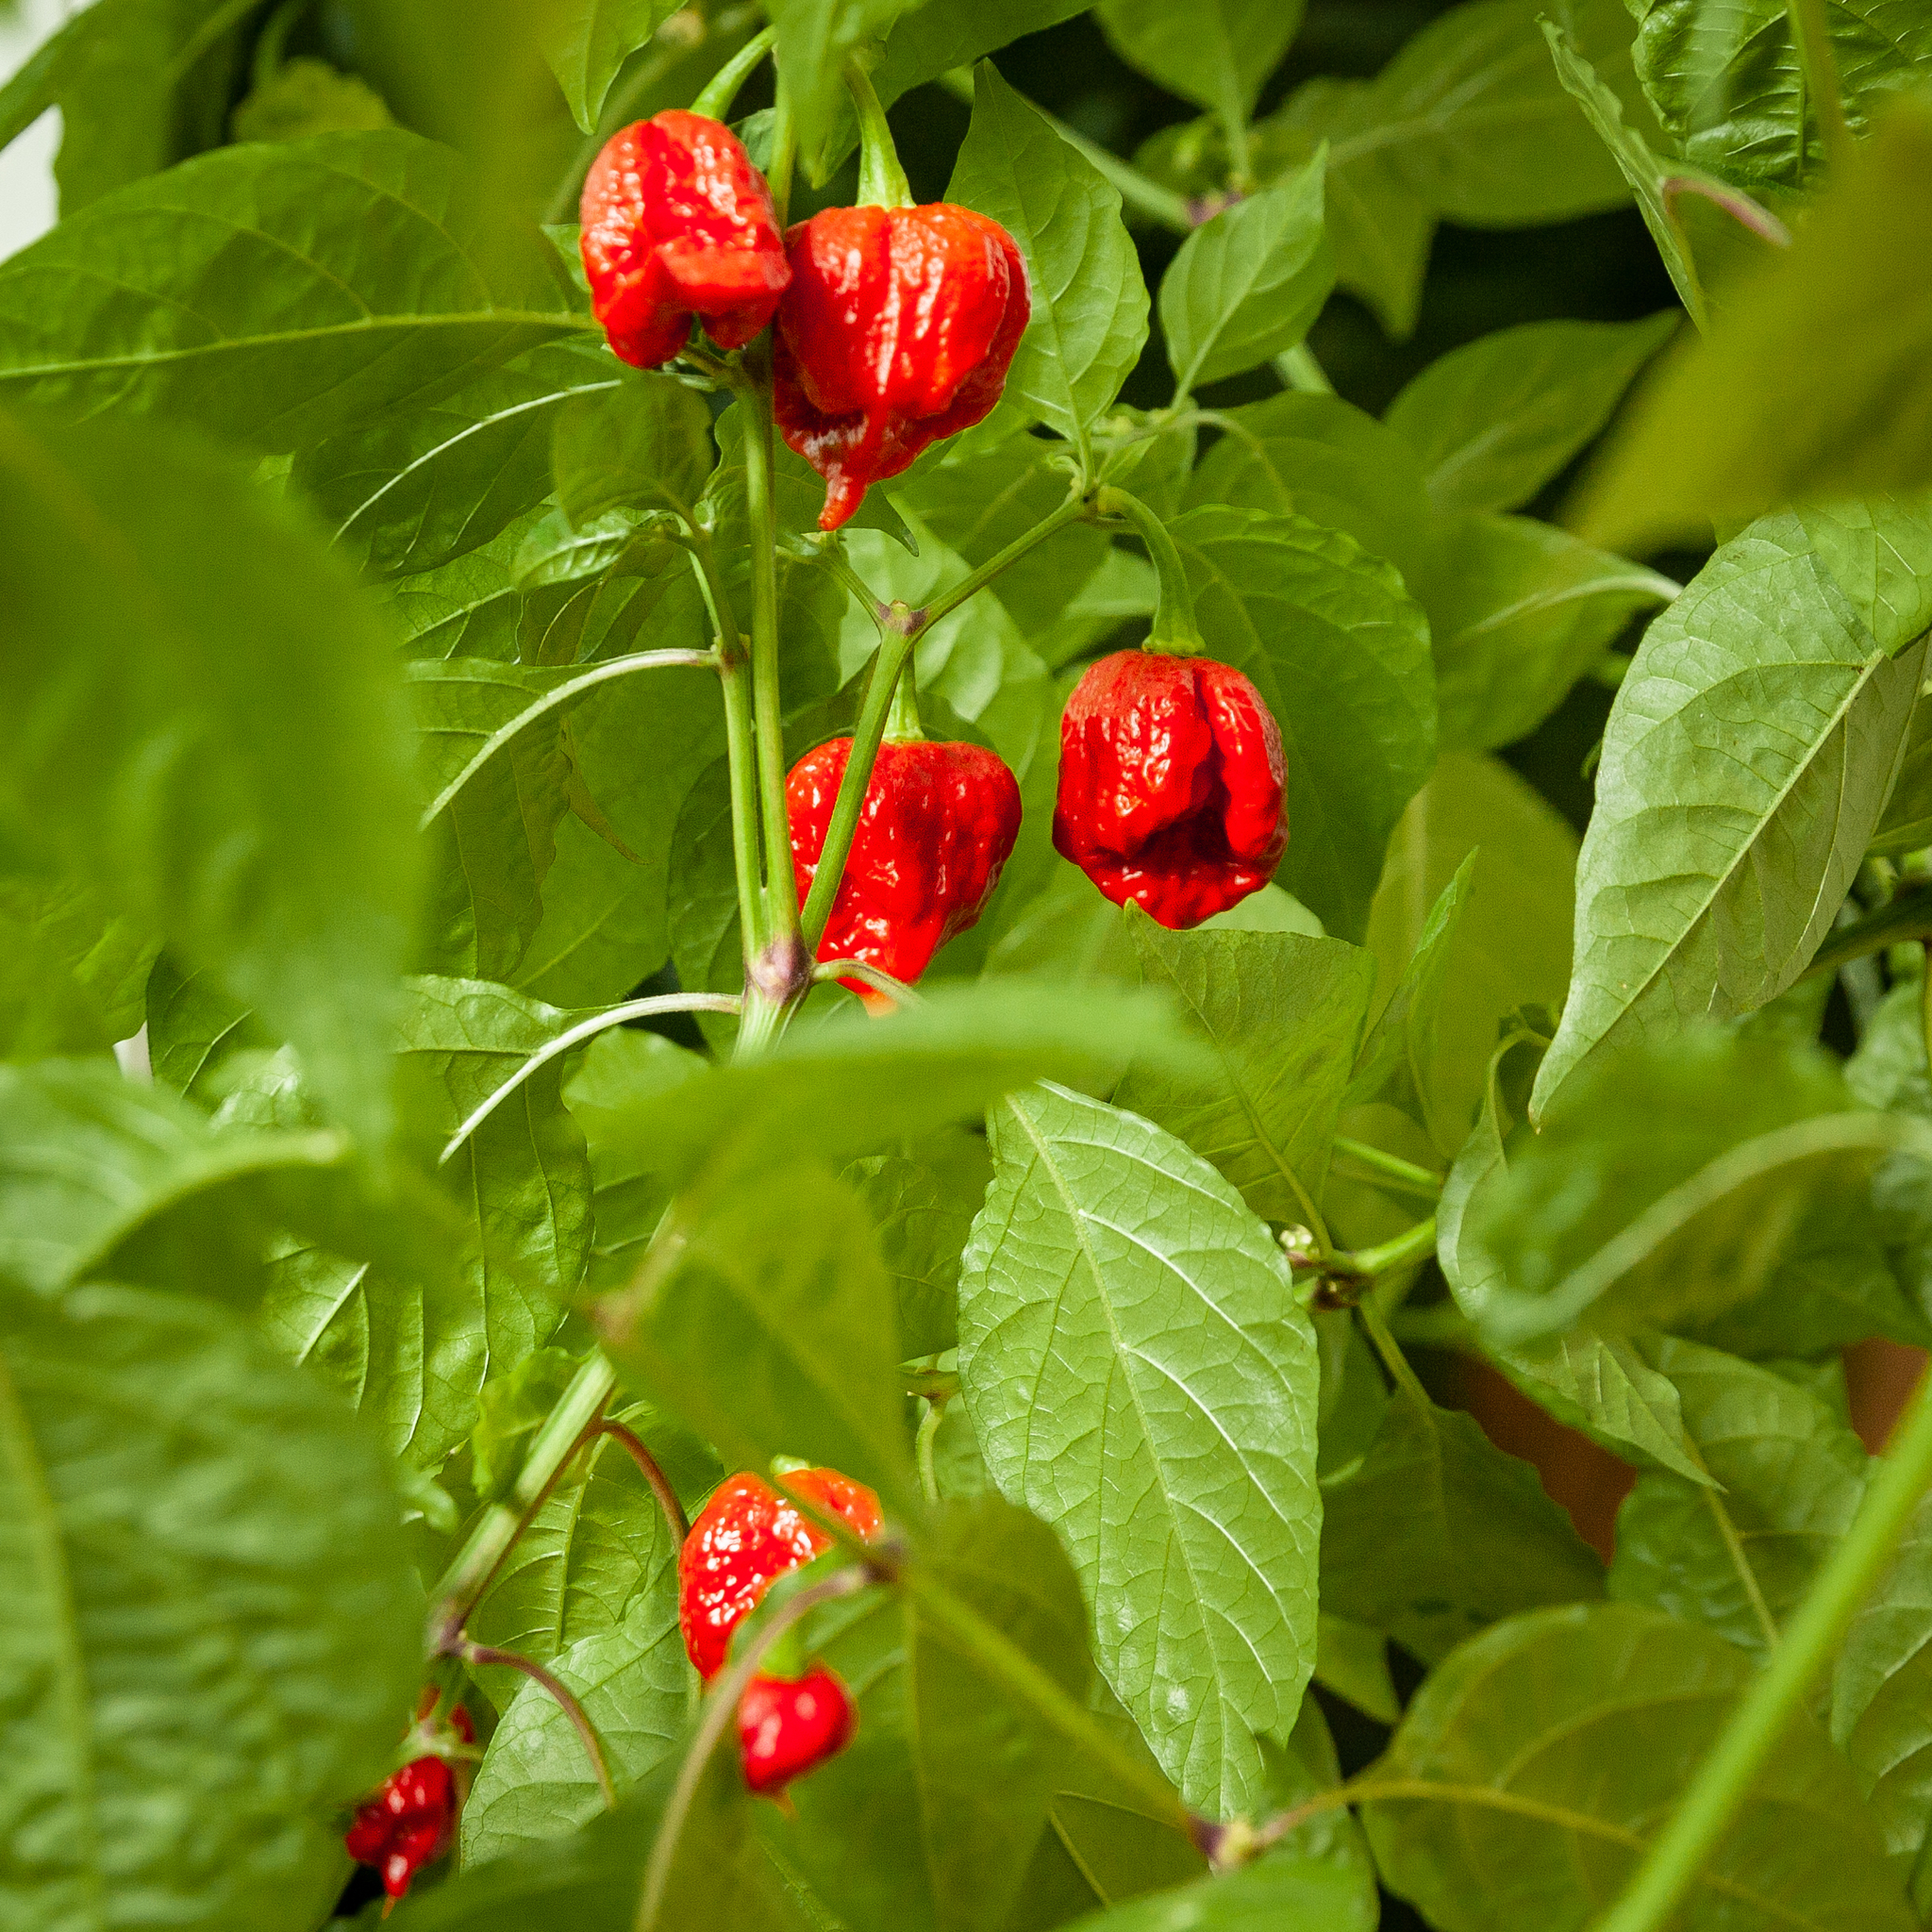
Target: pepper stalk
x,y
1174,633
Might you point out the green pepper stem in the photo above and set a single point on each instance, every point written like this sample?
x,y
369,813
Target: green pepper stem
x,y
881,181
1175,632
784,153
902,723
719,93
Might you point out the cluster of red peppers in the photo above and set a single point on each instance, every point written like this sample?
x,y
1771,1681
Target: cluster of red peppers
x,y
893,326
412,1819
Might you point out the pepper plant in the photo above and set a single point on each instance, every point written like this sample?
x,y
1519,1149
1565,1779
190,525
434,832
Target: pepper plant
x,y
807,1069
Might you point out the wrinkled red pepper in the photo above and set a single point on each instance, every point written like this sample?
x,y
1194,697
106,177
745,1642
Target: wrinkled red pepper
x,y
897,330
412,1821
1171,785
938,825
678,223
789,1725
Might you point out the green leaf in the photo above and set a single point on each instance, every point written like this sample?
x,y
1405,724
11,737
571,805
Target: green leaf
x,y
1282,1888
212,1632
1436,1532
1089,303
71,970
1879,1700
586,42
1840,308
1706,884
1729,85
921,1207
1284,1014
645,444
1740,1559
1352,1663
1139,1374
1217,55
772,1329
1520,611
1554,1748
205,723
293,291
1340,656
1494,421
815,39
194,1029
1248,284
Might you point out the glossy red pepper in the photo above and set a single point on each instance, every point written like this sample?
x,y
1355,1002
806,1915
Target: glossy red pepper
x,y
789,1725
1171,785
897,330
938,824
743,1538
678,223
412,1819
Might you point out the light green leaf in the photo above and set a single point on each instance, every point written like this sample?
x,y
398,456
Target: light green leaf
x,y
1089,303
1520,611
922,1203
1494,421
293,291
1340,656
1707,883
1556,1745
1248,284
1739,1559
1284,1013
1217,55
815,39
586,42
71,970
203,722
1139,1375
1282,1888
643,444
212,1633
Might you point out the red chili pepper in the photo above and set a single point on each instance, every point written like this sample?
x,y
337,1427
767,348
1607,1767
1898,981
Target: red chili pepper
x,y
743,1538
789,1725
897,330
678,223
412,1819
1170,784
938,824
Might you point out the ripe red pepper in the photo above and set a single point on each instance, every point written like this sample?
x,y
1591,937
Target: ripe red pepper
x,y
789,1725
896,331
938,824
412,1819
743,1538
1171,785
678,223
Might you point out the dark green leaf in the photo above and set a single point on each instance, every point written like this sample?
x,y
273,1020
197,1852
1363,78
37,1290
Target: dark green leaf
x,y
1089,304
1682,909
203,721
1557,1745
212,1632
1138,1374
1217,55
922,1205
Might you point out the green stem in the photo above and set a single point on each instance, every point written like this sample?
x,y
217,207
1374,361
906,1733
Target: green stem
x,y
1174,632
1723,1781
1405,1176
714,101
484,1655
902,720
224,19
1412,1245
1909,916
881,181
928,1432
784,151
894,989
1376,1327
1298,367
1820,71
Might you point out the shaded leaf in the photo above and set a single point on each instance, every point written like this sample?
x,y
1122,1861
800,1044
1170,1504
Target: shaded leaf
x,y
71,970
1217,57
586,42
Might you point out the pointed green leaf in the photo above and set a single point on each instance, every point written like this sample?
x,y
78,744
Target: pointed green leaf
x,y
586,42
1217,55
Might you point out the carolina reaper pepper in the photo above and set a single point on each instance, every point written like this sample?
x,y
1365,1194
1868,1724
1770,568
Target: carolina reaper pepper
x,y
938,825
1171,785
744,1539
411,1819
678,223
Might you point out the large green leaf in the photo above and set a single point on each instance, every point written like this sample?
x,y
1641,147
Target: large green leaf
x,y
1217,55
815,39
277,295
1739,1559
1340,656
1284,1013
1436,1532
1553,1748
71,970
1248,284
586,42
1282,1888
212,1632
923,1202
1707,882
1494,421
1139,1374
204,721
1089,304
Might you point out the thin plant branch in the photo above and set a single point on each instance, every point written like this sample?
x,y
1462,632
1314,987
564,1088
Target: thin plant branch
x,y
633,1446
487,1654
894,989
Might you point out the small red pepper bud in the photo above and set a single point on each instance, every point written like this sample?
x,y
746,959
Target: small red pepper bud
x,y
678,223
789,1725
1170,784
898,331
938,824
743,1538
412,1819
